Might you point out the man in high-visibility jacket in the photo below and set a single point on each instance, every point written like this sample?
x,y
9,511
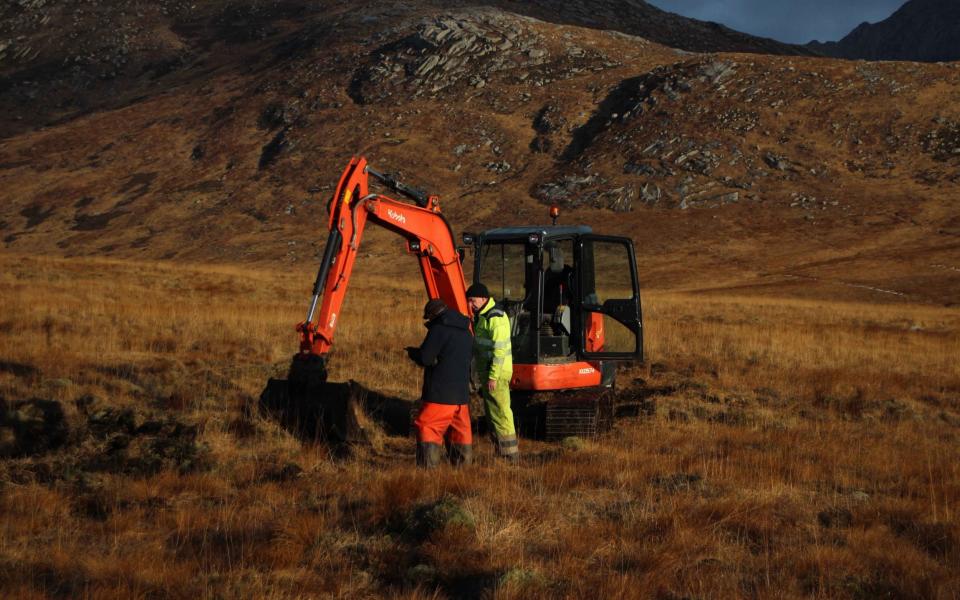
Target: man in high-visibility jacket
x,y
493,361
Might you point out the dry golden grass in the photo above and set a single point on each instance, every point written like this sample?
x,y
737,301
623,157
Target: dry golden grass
x,y
795,449
809,348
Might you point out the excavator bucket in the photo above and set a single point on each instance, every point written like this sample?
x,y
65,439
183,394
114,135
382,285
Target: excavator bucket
x,y
322,410
307,375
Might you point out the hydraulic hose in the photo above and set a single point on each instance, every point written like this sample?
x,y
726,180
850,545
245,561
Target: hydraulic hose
x,y
332,249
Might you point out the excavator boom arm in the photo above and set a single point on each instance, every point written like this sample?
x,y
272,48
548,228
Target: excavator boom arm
x,y
429,237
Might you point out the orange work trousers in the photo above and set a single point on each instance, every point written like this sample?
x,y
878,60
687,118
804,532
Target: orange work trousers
x,y
438,421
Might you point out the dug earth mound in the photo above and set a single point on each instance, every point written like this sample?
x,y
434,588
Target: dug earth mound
x,y
49,440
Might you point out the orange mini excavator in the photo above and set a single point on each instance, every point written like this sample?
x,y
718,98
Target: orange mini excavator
x,y
572,297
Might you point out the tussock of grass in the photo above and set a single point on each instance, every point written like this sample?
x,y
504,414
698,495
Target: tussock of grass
x,y
784,449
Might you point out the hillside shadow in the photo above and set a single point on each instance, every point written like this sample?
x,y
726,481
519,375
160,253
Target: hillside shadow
x,y
629,96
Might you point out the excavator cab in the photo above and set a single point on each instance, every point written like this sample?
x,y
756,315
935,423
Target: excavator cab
x,y
573,299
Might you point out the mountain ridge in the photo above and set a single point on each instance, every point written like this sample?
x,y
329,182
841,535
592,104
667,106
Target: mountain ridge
x,y
920,30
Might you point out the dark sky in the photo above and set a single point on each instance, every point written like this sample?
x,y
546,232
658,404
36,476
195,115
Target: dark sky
x,y
793,21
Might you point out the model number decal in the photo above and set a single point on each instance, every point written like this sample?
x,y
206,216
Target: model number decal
x,y
587,371
398,217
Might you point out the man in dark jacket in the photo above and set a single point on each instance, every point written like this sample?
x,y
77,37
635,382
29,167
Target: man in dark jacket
x,y
445,354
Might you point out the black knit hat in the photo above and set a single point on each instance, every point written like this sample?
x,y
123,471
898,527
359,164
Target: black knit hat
x,y
433,309
478,290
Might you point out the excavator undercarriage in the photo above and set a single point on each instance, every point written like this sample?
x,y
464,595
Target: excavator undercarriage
x,y
553,416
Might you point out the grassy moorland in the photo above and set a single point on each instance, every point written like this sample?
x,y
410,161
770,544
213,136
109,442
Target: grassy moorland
x,y
788,449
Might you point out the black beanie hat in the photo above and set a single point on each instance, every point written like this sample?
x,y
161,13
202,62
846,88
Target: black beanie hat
x,y
478,290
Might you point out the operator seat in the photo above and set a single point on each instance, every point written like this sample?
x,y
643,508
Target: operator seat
x,y
557,293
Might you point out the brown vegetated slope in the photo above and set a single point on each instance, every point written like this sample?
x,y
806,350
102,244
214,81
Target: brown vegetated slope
x,y
164,173
783,448
815,176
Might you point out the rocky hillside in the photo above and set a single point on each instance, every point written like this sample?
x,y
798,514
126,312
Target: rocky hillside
x,y
204,132
921,30
67,58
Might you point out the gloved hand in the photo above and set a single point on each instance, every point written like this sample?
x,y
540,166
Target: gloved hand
x,y
414,353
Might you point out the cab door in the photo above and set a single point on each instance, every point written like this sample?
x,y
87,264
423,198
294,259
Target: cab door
x,y
610,323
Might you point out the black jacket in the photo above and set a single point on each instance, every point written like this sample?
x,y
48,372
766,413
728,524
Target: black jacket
x,y
445,354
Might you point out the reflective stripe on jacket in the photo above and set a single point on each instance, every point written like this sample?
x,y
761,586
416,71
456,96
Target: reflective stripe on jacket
x,y
491,342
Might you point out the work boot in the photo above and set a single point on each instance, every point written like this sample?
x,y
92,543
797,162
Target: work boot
x,y
507,447
461,454
429,455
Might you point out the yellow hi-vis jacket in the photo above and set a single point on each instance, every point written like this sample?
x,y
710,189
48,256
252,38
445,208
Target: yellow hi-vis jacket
x,y
491,343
